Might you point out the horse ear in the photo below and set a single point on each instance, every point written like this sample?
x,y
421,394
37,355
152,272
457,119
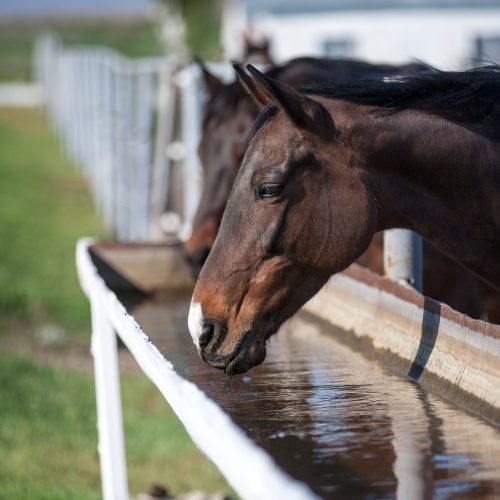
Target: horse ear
x,y
304,112
249,85
212,83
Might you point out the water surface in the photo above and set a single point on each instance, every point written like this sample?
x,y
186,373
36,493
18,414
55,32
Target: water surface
x,y
336,420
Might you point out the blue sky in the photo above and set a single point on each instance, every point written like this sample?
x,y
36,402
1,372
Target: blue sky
x,y
50,7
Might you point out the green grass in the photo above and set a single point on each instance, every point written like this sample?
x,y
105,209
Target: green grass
x,y
44,209
15,54
133,38
49,442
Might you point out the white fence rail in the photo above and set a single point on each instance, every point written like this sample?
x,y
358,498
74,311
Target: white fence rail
x,y
211,429
20,94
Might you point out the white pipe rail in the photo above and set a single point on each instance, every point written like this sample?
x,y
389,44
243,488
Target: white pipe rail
x,y
213,431
109,410
403,257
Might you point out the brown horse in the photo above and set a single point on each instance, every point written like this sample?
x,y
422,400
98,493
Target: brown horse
x,y
229,112
227,116
256,49
323,171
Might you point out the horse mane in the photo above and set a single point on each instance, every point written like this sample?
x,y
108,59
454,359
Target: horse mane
x,y
470,97
224,103
347,69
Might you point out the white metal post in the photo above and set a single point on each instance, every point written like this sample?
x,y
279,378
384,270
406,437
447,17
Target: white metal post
x,y
107,143
403,256
144,166
159,182
109,410
120,159
126,113
189,83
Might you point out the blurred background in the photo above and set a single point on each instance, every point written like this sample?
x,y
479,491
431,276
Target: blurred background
x,y
448,34
90,96
48,433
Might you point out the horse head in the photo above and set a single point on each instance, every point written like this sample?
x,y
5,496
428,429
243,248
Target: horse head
x,y
256,48
227,115
298,212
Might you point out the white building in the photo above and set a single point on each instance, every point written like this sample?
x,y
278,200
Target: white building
x,y
449,34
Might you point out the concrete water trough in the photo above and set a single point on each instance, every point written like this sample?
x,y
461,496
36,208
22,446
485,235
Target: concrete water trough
x,y
334,411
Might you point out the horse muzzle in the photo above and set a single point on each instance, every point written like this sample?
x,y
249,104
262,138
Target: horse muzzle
x,y
246,354
250,353
222,349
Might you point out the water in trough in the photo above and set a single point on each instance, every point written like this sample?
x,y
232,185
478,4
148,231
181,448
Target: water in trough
x,y
337,420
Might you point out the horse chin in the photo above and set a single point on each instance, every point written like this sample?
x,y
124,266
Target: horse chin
x,y
246,357
249,352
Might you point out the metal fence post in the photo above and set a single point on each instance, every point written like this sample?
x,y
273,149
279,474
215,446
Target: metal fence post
x,y
191,99
403,256
160,173
143,104
109,410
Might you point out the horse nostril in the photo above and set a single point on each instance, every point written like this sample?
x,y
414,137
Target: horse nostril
x,y
207,332
211,332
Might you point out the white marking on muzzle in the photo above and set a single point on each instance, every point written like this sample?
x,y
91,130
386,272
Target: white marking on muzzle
x,y
195,322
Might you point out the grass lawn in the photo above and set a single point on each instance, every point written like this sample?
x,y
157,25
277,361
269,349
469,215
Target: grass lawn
x,y
44,209
48,437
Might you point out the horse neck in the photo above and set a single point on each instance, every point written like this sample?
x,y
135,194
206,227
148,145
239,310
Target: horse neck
x,y
436,178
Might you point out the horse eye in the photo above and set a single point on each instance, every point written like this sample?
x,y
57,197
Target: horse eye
x,y
269,190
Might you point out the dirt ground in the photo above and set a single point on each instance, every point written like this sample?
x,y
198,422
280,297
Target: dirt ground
x,y
74,356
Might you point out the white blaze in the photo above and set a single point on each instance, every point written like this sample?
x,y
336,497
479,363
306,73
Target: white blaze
x,y
195,322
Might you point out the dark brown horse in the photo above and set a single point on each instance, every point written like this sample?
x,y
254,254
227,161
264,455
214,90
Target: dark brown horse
x,y
324,171
227,116
229,112
256,49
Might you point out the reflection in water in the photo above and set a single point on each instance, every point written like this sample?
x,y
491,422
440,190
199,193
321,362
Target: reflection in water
x,y
336,420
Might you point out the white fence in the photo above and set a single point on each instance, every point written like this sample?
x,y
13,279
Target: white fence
x,y
211,429
104,108
133,126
